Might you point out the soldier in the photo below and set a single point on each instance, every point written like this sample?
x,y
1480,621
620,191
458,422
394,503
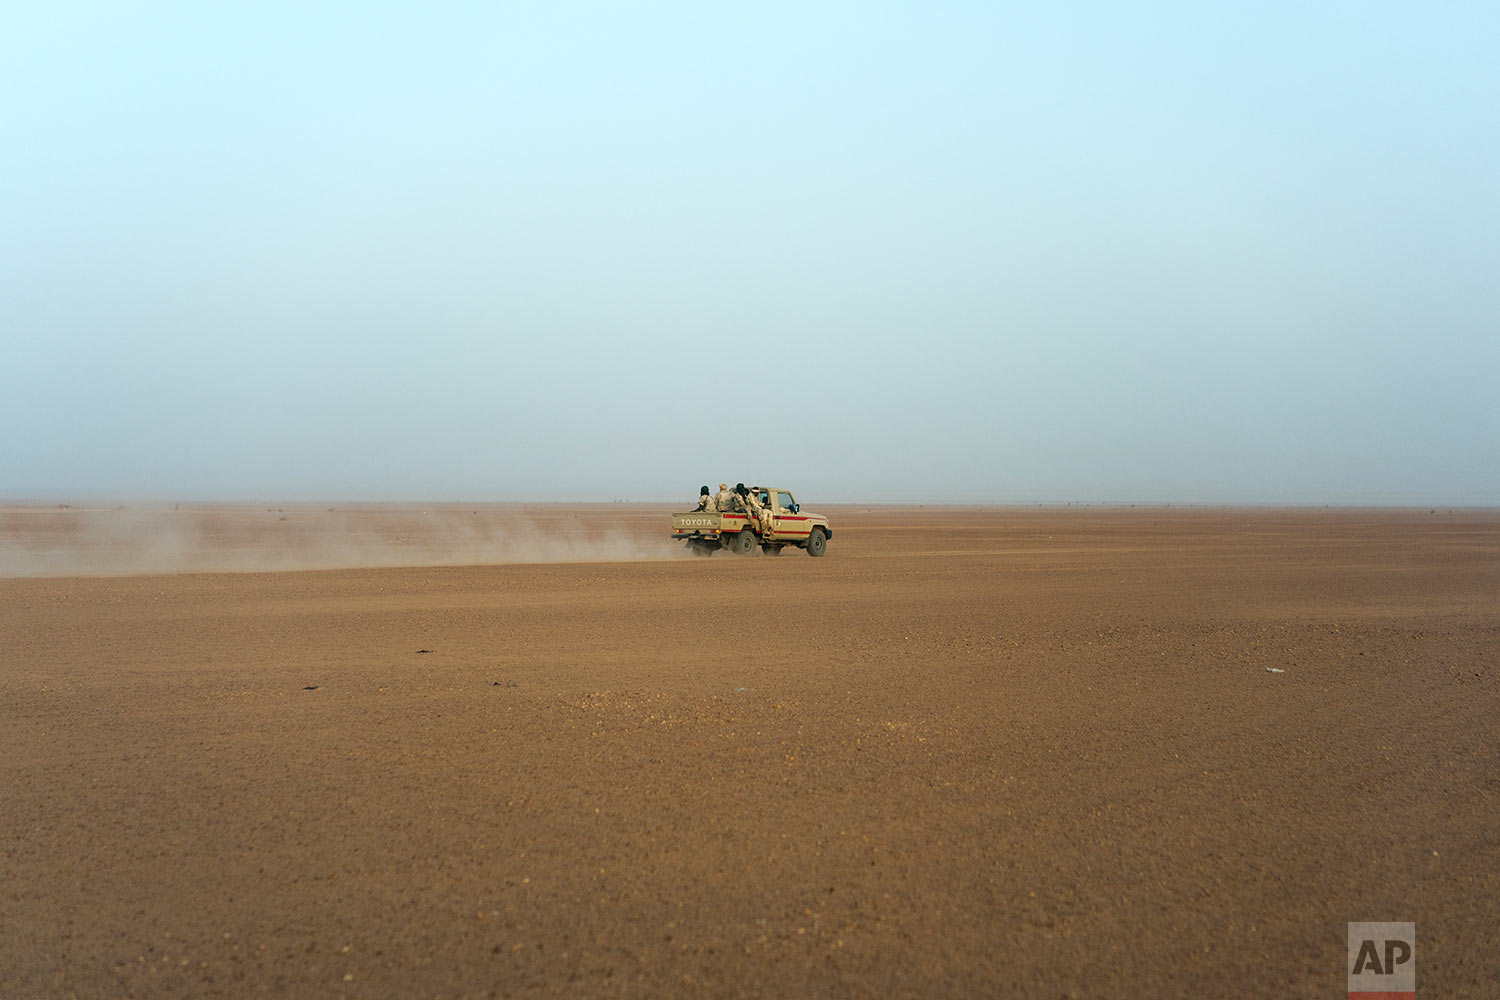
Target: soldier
x,y
761,512
722,499
706,502
764,511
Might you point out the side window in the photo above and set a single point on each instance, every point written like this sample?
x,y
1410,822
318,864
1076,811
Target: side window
x,y
785,501
765,497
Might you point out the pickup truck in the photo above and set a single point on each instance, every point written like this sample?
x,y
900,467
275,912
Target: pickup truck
x,y
706,532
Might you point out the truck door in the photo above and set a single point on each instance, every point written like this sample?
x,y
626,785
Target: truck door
x,y
789,524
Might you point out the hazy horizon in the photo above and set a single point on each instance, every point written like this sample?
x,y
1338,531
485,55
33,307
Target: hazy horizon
x,y
967,254
684,502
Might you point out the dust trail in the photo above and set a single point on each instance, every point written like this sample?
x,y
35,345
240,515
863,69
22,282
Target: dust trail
x,y
64,541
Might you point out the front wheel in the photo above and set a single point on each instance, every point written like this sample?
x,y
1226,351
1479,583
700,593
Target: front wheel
x,y
817,542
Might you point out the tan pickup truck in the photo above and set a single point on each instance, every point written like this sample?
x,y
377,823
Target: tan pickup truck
x,y
706,532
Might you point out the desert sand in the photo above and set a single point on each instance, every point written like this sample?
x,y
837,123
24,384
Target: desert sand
x,y
1092,752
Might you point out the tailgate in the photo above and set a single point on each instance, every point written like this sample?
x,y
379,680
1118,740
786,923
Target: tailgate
x,y
707,525
697,522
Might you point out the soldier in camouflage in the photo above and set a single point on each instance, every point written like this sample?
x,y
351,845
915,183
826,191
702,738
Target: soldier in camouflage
x,y
705,501
722,498
762,511
757,510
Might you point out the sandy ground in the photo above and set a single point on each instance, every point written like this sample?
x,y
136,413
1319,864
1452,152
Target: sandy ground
x,y
1007,752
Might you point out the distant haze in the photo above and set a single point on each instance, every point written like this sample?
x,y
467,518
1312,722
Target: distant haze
x,y
958,252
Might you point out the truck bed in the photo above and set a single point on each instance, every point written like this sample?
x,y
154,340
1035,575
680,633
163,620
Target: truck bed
x,y
710,524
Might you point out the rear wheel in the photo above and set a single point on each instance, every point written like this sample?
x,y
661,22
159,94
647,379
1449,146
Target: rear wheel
x,y
744,542
817,542
699,547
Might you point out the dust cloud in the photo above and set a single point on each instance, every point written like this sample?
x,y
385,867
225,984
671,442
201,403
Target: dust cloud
x,y
128,541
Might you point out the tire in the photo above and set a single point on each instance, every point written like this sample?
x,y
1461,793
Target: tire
x,y
771,548
817,542
744,543
701,548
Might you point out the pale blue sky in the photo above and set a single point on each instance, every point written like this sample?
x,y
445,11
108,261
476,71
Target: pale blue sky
x,y
968,252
